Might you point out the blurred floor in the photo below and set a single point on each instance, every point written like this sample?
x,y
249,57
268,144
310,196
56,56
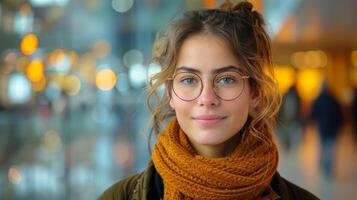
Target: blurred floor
x,y
300,166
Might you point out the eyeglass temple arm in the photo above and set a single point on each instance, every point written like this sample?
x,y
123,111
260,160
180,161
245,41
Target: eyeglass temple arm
x,y
244,77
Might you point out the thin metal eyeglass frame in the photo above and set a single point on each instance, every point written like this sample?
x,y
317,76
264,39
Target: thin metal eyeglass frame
x,y
214,89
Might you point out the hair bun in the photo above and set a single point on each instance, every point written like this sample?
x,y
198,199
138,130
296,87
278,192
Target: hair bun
x,y
227,6
244,6
243,9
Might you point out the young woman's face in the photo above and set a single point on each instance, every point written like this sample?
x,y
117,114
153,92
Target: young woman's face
x,y
209,121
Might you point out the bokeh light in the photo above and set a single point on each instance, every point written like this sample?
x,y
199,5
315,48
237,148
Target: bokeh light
x,y
316,59
24,20
39,86
25,9
6,69
122,84
42,3
137,75
122,6
51,141
153,69
71,85
92,4
22,64
124,154
35,71
353,77
101,49
19,89
297,59
354,58
59,61
105,79
53,90
14,175
285,75
308,83
133,57
87,68
73,56
11,58
29,44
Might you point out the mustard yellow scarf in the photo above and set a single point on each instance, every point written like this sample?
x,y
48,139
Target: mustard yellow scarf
x,y
244,174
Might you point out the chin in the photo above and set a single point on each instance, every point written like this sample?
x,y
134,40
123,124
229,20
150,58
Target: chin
x,y
209,138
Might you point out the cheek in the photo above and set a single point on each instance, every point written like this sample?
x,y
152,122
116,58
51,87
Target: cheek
x,y
183,114
238,110
180,107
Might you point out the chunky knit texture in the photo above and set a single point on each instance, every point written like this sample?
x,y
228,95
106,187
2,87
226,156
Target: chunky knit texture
x,y
243,174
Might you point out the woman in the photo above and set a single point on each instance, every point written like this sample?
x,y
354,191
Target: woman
x,y
221,104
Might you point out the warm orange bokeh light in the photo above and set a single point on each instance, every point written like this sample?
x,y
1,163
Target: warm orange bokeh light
x,y
39,85
285,75
22,64
354,58
105,79
73,56
29,44
308,83
51,141
14,175
35,70
71,85
25,9
101,49
309,59
55,56
87,65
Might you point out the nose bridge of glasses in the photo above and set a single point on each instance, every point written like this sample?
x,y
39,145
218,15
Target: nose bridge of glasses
x,y
208,87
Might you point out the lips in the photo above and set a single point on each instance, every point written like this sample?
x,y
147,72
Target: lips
x,y
208,120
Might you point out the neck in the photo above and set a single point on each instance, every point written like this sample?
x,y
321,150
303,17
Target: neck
x,y
218,150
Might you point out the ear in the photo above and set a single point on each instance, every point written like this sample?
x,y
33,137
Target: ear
x,y
255,98
171,104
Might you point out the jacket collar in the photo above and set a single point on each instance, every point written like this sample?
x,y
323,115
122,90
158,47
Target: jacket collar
x,y
142,185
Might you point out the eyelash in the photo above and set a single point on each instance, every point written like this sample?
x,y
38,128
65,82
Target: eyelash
x,y
183,80
226,77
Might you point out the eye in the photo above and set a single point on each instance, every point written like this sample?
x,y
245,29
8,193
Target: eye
x,y
226,80
189,81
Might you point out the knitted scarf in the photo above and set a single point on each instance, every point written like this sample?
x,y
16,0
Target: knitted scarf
x,y
243,174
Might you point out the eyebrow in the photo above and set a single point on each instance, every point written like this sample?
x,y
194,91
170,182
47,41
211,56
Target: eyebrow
x,y
216,71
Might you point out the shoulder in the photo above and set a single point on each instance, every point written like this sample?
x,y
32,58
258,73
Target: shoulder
x,y
121,189
288,190
124,189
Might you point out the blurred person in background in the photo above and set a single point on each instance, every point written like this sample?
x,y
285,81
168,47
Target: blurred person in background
x,y
354,115
327,113
221,107
289,126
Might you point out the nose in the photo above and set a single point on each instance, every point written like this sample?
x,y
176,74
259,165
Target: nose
x,y
208,96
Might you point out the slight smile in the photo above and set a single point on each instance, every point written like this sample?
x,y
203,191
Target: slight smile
x,y
208,120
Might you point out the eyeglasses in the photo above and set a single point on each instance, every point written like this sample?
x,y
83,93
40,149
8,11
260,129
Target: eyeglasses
x,y
227,85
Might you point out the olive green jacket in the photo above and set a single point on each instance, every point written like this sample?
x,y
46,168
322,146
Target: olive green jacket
x,y
136,187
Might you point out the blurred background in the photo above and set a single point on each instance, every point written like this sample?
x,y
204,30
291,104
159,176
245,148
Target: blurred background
x,y
73,75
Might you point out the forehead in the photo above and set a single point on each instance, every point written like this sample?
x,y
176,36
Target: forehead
x,y
206,53
214,71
